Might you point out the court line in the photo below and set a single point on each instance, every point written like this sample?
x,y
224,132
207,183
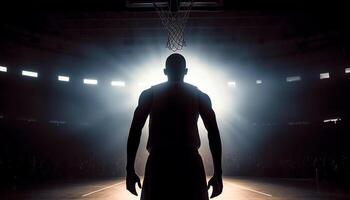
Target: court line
x,y
105,188
233,184
246,188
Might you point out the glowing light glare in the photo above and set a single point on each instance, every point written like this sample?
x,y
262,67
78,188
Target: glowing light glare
x,y
293,78
63,78
324,75
231,84
90,81
347,70
258,82
118,83
335,120
3,69
30,74
209,79
143,84
201,74
147,69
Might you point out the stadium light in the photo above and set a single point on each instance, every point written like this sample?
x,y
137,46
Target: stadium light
x,y
3,69
335,120
63,78
57,122
324,75
90,81
293,78
30,74
258,82
118,83
231,84
347,70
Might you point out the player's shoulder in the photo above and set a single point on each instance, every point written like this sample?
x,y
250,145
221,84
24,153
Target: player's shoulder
x,y
190,86
203,97
157,88
195,88
146,94
159,85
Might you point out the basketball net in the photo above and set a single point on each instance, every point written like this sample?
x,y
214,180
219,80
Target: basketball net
x,y
174,21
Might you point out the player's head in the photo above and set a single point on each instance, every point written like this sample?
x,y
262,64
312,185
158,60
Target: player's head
x,y
175,67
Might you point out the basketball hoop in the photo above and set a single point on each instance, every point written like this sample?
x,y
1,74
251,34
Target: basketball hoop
x,y
174,18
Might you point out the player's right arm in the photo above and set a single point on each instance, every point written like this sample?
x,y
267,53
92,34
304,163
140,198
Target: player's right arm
x,y
209,120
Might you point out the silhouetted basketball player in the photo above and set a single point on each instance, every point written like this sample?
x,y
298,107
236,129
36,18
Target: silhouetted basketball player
x,y
174,168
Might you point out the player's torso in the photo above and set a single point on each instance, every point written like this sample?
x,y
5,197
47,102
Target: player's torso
x,y
174,115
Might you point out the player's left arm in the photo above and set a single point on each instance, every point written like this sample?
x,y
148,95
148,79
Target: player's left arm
x,y
139,119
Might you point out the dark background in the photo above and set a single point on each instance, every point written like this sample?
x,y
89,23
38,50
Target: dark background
x,y
54,130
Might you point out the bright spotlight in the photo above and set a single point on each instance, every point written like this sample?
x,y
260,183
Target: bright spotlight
x,y
63,78
3,69
200,74
231,84
293,78
118,83
142,84
347,70
90,81
324,75
258,82
30,74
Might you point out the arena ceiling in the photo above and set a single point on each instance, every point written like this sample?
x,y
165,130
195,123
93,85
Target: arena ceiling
x,y
272,36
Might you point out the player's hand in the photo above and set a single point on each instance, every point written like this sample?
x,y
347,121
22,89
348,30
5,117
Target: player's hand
x,y
216,183
131,180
